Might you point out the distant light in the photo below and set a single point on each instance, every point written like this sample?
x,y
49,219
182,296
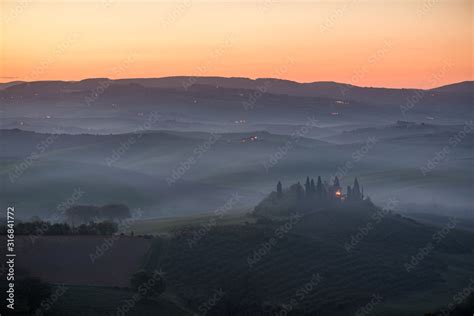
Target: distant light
x,y
249,139
334,113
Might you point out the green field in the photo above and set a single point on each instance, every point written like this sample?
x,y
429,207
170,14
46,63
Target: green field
x,y
165,226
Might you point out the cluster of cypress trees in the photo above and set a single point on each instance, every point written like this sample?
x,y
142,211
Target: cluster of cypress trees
x,y
324,191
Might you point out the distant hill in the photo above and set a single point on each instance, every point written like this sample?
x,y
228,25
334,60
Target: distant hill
x,y
460,87
398,130
10,84
332,90
234,163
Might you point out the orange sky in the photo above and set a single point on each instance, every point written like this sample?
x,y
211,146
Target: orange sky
x,y
403,43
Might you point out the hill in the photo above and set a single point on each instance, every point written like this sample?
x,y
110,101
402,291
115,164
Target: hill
x,y
335,260
158,168
321,274
460,87
331,90
399,130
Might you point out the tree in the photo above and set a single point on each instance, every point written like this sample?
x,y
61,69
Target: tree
x,y
299,191
81,214
349,192
307,187
356,195
336,182
147,284
101,228
106,228
279,190
59,229
296,191
320,191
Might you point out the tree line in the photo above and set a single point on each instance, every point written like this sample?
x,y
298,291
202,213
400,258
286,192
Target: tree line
x,y
311,197
322,190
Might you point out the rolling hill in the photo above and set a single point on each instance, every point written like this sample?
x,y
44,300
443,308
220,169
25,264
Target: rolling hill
x,y
243,262
155,170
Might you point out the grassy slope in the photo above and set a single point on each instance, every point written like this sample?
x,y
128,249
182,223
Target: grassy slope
x,y
165,226
315,245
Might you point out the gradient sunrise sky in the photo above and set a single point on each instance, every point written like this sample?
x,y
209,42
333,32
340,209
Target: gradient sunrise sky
x,y
404,43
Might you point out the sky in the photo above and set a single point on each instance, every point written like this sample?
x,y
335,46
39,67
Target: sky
x,y
379,43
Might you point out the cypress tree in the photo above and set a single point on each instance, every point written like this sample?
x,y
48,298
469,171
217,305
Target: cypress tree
x,y
356,190
336,182
299,191
320,188
313,187
307,187
279,190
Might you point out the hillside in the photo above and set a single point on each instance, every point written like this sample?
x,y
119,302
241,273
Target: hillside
x,y
312,251
332,260
460,87
332,90
398,130
161,167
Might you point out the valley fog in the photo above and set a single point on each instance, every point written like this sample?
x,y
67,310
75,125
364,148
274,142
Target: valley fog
x,y
171,151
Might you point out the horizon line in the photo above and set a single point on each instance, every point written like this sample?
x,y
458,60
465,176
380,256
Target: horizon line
x,y
238,77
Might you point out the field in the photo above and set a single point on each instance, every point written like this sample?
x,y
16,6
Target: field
x,y
111,301
315,246
52,258
165,226
243,257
